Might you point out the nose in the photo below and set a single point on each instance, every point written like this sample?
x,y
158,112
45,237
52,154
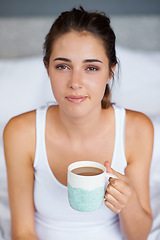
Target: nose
x,y
76,80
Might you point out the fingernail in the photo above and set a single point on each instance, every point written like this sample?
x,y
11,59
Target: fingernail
x,y
112,180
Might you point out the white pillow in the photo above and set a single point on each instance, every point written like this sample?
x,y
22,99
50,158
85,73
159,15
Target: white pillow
x,y
138,87
24,85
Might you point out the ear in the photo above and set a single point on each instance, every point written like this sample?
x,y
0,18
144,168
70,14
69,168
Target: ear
x,y
47,71
46,66
112,72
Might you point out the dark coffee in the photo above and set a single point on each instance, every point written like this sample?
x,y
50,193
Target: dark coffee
x,y
87,171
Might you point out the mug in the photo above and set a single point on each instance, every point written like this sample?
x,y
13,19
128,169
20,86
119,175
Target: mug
x,y
86,182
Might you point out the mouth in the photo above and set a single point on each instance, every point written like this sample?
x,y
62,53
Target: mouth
x,y
76,99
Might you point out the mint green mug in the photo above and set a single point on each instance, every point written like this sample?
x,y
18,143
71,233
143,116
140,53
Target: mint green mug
x,y
86,182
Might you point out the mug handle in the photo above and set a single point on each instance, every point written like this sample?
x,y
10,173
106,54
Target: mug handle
x,y
108,175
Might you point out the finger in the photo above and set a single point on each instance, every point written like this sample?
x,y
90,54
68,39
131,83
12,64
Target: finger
x,y
118,196
110,199
121,186
111,207
111,170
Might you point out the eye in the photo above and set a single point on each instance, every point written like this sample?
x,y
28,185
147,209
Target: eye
x,y
92,68
62,67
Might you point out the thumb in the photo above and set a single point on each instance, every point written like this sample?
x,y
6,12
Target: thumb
x,y
112,171
108,167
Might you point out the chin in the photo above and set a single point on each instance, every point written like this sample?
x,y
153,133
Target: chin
x,y
75,111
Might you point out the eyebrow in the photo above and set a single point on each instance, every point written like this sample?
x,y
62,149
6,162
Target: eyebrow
x,y
62,59
92,60
85,61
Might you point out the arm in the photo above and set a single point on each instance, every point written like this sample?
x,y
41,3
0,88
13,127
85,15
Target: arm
x,y
18,146
129,195
26,236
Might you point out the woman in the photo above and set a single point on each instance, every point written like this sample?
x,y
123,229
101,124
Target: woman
x,y
79,55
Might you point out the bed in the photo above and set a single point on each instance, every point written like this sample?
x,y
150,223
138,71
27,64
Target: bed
x,y
24,85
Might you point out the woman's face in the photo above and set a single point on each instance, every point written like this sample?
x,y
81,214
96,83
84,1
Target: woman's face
x,y
78,71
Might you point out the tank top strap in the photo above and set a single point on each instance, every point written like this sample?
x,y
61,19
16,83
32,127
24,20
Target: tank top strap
x,y
119,162
40,134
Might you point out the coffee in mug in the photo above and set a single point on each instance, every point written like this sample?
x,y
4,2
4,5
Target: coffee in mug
x,y
87,171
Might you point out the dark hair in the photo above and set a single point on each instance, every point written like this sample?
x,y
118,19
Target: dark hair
x,y
80,20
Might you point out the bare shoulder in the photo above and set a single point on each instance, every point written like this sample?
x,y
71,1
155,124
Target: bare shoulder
x,y
19,133
138,122
139,132
19,124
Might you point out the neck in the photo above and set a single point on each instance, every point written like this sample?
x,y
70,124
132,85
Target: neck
x,y
81,126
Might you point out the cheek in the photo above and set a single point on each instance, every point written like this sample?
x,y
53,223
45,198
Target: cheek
x,y
56,80
57,87
99,84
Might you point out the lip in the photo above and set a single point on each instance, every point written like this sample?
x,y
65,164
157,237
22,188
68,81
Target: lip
x,y
76,98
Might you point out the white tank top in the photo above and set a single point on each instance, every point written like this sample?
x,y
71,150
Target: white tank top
x,y
54,218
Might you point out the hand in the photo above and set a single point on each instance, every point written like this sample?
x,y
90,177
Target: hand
x,y
118,190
